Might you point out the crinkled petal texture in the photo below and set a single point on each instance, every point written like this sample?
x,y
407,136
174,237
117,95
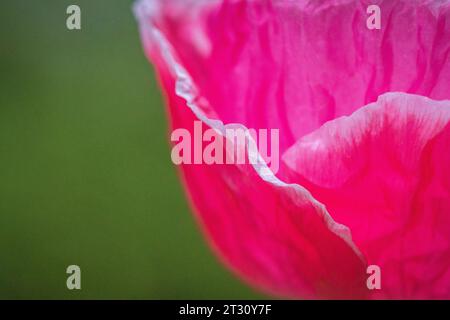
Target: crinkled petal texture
x,y
364,120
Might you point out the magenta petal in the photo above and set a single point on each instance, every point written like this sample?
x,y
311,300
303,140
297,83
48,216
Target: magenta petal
x,y
292,65
274,235
381,173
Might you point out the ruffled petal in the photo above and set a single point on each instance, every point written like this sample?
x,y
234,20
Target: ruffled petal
x,y
383,172
272,234
296,66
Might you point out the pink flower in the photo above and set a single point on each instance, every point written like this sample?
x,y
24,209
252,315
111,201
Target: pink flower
x,y
364,130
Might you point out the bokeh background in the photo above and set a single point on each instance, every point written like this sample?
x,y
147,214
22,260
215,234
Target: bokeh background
x,y
85,170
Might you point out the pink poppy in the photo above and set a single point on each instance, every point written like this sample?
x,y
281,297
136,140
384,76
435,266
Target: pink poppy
x,y
363,116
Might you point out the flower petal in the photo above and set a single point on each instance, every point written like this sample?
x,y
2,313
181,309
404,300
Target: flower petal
x,y
274,235
291,65
281,64
383,172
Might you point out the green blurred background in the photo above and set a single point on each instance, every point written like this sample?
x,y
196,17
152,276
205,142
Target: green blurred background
x,y
85,169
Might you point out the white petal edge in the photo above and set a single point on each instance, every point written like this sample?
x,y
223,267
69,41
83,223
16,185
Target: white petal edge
x,y
185,88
